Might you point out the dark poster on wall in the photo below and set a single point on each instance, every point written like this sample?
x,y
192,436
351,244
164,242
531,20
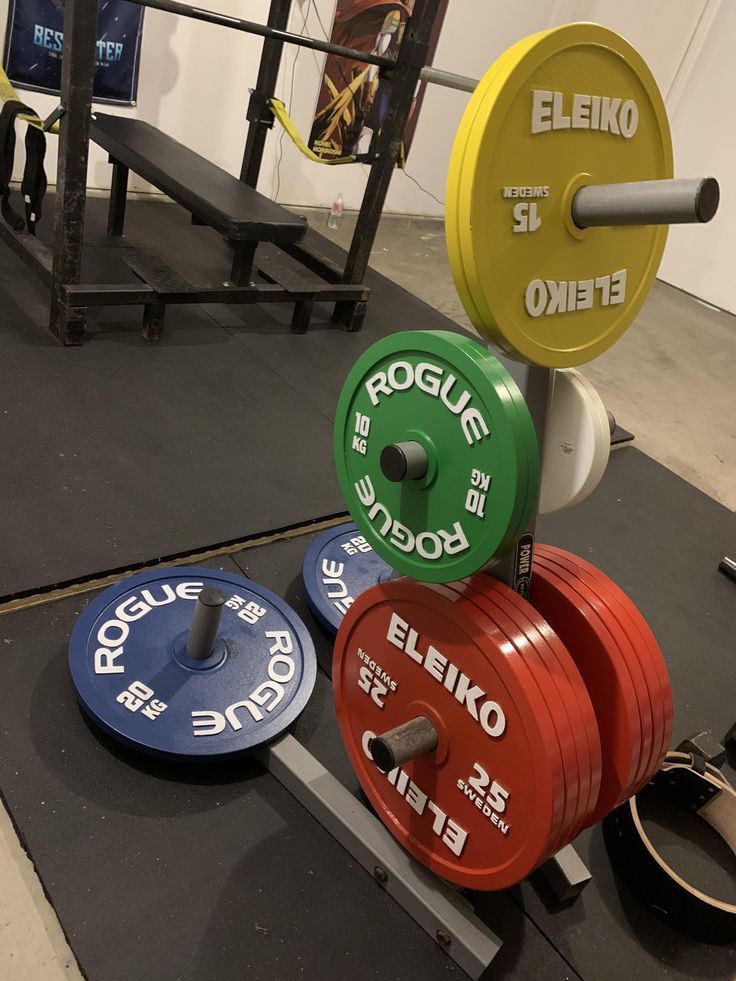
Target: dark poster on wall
x,y
35,37
353,98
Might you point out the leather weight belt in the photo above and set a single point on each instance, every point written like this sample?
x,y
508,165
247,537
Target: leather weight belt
x,y
33,186
699,788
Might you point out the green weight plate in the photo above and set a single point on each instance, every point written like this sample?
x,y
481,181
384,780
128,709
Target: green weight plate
x,y
480,479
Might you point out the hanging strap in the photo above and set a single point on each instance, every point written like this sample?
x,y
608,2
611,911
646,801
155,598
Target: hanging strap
x,y
8,94
279,110
33,185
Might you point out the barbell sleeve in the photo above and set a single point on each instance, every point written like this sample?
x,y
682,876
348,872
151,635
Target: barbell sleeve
x,y
437,76
205,623
659,202
404,461
404,743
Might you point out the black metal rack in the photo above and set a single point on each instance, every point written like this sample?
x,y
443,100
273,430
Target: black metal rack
x,y
60,268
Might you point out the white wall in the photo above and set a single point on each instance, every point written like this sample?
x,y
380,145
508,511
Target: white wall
x,y
700,260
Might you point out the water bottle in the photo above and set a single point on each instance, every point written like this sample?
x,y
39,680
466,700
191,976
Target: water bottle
x,y
334,218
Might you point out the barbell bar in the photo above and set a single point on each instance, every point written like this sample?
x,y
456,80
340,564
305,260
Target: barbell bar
x,y
428,74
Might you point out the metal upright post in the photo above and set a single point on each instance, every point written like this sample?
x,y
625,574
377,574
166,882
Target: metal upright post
x,y
260,117
405,76
77,77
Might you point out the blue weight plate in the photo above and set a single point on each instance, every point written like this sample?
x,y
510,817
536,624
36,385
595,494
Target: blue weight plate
x,y
132,675
338,567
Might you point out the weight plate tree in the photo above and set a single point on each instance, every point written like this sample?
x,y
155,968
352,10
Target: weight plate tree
x,y
559,192
191,663
339,565
577,442
561,110
436,454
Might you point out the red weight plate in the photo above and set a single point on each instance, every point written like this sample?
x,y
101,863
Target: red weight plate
x,y
540,633
655,667
493,620
590,722
638,658
589,746
591,643
539,676
628,652
480,809
557,692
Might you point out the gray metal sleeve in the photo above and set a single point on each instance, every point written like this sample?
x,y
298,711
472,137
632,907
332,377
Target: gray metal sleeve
x,y
449,79
671,202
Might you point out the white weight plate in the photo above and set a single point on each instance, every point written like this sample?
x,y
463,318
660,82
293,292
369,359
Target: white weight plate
x,y
577,442
604,435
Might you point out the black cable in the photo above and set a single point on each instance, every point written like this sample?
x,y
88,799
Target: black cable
x,y
421,188
291,98
316,11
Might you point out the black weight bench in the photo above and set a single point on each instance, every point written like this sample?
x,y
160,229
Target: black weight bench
x,y
211,195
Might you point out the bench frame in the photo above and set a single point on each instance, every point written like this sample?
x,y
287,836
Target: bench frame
x,y
321,280
244,252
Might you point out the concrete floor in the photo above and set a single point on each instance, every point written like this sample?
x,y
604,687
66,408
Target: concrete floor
x,y
669,380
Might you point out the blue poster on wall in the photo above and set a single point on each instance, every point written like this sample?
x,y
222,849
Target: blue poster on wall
x,y
35,37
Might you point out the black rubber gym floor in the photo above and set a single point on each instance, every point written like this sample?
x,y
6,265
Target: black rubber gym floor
x,y
186,873
118,451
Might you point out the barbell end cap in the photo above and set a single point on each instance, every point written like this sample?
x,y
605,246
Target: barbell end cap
x,y
404,461
212,597
707,199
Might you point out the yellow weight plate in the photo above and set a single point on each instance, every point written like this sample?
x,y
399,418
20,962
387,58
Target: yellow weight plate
x,y
452,210
452,232
572,106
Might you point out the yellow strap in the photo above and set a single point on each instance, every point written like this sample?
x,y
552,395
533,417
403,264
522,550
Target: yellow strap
x,y
8,94
279,110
